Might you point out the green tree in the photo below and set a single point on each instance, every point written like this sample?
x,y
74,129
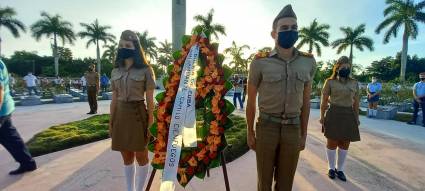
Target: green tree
x,y
96,33
65,54
54,26
353,39
8,20
206,26
165,54
400,14
148,45
315,36
236,52
110,53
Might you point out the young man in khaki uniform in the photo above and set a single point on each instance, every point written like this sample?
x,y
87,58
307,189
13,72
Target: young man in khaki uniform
x,y
282,78
92,78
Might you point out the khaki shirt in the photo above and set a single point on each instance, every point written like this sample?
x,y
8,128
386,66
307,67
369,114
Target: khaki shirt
x,y
341,93
92,78
280,83
132,84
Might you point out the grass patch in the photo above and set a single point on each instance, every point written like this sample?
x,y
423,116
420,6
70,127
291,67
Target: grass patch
x,y
69,135
65,136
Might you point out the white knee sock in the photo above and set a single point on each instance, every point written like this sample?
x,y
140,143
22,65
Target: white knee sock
x,y
331,158
369,112
375,112
130,171
342,154
142,173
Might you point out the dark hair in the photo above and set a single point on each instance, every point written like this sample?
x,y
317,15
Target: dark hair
x,y
140,60
342,60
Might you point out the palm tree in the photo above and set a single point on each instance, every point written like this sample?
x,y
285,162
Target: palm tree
x,y
314,36
7,20
110,53
148,45
54,26
237,52
353,38
96,33
207,27
402,14
166,54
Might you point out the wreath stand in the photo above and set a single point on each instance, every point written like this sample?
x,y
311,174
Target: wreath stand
x,y
223,165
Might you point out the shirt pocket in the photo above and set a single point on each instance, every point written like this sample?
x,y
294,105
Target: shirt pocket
x,y
116,80
301,79
271,84
137,82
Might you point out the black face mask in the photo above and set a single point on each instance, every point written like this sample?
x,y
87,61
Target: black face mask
x,y
343,73
125,53
287,39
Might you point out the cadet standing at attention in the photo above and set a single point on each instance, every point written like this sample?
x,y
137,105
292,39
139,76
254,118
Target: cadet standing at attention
x,y
92,78
282,78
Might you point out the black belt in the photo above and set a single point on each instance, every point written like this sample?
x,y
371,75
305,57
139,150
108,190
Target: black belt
x,y
284,121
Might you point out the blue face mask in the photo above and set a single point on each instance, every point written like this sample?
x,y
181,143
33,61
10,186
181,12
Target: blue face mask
x,y
287,39
125,53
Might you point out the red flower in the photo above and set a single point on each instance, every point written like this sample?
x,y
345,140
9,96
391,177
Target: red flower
x,y
221,130
206,160
212,155
222,103
190,171
201,145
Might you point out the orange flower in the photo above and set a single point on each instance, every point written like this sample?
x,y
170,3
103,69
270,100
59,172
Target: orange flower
x,y
208,79
168,119
213,148
201,154
192,162
216,110
177,69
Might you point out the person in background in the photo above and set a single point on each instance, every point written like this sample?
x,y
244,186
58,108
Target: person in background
x,y
68,83
9,136
244,85
418,99
83,84
373,92
237,92
104,82
12,82
31,83
92,78
340,120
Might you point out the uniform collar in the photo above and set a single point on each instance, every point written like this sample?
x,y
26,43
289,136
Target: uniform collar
x,y
295,54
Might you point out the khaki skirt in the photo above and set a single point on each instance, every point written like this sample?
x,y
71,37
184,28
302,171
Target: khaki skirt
x,y
340,124
130,126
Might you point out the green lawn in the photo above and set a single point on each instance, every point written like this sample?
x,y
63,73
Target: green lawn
x,y
95,128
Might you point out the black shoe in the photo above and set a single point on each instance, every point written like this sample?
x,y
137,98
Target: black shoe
x,y
90,113
331,174
23,169
411,123
341,175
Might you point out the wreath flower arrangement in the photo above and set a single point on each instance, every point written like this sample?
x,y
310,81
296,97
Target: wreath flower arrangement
x,y
212,111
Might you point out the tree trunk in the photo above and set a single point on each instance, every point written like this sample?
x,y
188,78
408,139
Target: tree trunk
x,y
55,54
98,57
351,54
310,49
404,56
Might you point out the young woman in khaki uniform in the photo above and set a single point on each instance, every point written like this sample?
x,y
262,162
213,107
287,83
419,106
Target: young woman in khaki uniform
x,y
133,82
340,120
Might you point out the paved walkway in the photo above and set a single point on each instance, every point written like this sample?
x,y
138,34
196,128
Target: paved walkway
x,y
388,158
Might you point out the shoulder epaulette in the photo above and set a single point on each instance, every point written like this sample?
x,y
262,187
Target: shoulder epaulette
x,y
306,54
262,54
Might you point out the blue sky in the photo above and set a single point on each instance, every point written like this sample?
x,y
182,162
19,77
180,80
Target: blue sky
x,y
247,22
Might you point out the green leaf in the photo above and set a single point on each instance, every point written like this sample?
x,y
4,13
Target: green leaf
x,y
209,116
165,81
186,39
229,124
154,129
216,162
201,175
170,69
229,107
159,97
207,102
177,54
151,147
215,46
220,59
202,130
228,85
227,72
